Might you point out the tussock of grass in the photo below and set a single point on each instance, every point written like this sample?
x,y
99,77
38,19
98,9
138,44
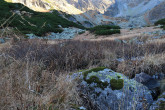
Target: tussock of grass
x,y
28,85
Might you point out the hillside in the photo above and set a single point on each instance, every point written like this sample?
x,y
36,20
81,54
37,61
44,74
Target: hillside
x,y
28,21
126,13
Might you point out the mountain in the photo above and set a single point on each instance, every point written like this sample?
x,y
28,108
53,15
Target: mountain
x,y
125,13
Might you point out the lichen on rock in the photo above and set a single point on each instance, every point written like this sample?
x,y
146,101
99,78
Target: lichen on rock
x,y
107,89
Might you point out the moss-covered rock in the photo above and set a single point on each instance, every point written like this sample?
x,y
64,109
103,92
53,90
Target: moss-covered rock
x,y
108,89
92,70
95,79
117,84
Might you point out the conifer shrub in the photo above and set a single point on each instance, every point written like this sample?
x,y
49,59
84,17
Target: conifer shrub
x,y
107,32
105,29
161,22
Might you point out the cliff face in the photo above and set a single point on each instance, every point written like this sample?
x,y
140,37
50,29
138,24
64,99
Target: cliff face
x,y
157,13
37,5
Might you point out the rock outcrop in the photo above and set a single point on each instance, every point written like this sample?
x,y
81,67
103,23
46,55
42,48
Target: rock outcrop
x,y
159,104
106,89
68,33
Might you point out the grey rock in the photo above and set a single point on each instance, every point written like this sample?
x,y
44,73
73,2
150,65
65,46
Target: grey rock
x,y
142,77
2,40
133,95
68,33
159,104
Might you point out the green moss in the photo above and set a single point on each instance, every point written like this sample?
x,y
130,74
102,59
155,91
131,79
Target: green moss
x,y
118,77
85,74
95,79
117,84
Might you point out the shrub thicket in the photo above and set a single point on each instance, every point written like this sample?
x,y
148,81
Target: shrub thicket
x,y
107,32
105,29
37,23
161,22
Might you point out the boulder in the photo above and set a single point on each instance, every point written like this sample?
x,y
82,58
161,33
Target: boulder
x,y
142,77
68,33
159,104
152,84
2,40
109,90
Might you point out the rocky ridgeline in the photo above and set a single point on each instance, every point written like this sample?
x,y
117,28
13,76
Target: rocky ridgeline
x,y
106,89
68,33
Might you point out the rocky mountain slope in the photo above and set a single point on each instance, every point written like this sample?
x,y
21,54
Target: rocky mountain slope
x,y
126,13
28,21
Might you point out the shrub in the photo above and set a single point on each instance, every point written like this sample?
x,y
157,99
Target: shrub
x,y
107,32
161,22
105,29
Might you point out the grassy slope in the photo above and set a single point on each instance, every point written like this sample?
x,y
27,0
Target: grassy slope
x,y
39,23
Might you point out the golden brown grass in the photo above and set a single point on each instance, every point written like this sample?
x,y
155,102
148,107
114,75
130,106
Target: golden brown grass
x,y
33,72
28,85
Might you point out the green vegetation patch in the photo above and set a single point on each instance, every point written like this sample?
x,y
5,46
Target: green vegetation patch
x,y
30,21
95,79
161,22
107,32
105,29
117,84
85,74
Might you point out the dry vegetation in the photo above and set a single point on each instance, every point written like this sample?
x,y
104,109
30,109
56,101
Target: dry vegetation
x,y
33,72
26,85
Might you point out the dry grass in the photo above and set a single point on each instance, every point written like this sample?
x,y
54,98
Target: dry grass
x,y
33,72
28,85
68,56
